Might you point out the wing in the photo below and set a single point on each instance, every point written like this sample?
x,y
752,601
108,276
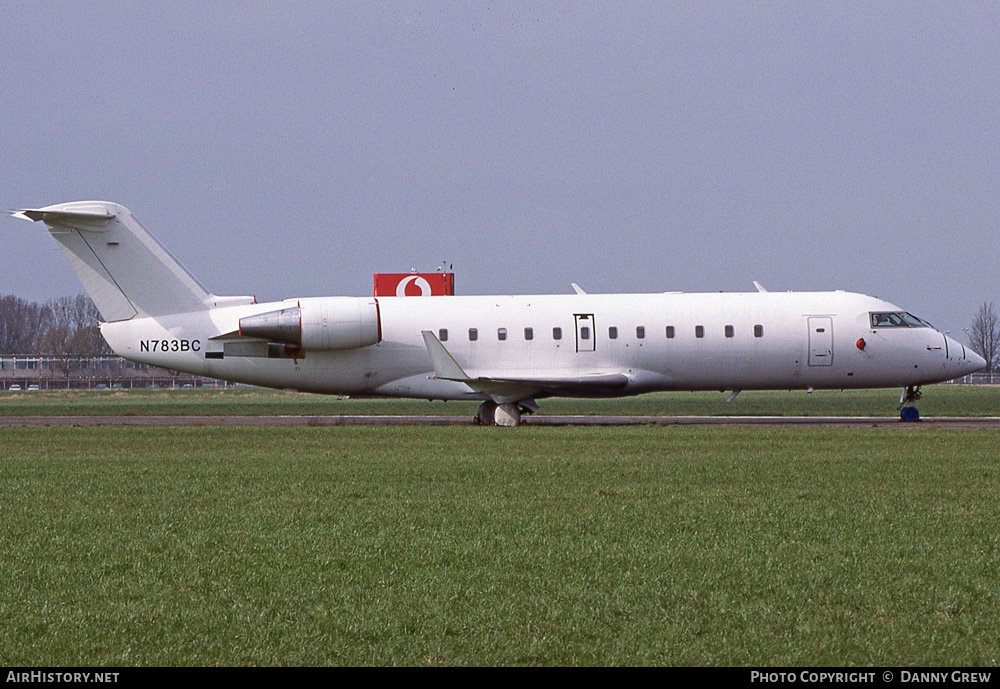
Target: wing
x,y
514,386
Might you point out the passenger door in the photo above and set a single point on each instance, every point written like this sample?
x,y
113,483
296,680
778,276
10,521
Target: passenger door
x,y
820,341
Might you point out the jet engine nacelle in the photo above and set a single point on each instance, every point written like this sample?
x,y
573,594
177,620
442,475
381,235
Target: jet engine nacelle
x,y
328,323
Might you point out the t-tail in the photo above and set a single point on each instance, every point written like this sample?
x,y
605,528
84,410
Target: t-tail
x,y
123,268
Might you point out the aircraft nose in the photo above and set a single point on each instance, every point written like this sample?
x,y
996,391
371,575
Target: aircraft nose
x,y
962,360
970,362
975,362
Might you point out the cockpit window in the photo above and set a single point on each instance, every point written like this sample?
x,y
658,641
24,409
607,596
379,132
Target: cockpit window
x,y
897,319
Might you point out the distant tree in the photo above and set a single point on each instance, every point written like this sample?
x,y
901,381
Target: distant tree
x,y
20,323
75,322
984,335
51,342
88,341
63,326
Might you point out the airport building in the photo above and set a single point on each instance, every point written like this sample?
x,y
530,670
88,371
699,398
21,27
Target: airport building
x,y
60,372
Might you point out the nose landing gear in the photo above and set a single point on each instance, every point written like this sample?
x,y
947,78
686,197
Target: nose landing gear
x,y
908,412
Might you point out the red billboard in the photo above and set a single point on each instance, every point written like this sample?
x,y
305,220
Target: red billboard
x,y
414,284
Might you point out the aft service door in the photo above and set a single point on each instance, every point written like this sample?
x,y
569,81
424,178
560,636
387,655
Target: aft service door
x,y
821,341
585,332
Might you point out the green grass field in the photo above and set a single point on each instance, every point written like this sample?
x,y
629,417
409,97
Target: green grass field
x,y
482,546
938,400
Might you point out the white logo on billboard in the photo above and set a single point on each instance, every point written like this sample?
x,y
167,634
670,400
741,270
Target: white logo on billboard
x,y
421,283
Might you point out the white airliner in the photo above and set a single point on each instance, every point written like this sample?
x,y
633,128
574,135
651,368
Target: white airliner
x,y
506,351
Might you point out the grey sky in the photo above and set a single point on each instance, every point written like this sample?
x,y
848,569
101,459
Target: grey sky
x,y
293,149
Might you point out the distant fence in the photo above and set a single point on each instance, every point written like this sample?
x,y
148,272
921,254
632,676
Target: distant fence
x,y
53,372
992,378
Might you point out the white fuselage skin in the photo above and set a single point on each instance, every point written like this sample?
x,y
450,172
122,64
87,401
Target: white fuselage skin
x,y
756,340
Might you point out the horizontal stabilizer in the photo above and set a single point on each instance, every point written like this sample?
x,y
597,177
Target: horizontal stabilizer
x,y
88,218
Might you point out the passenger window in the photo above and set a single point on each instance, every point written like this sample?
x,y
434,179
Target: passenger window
x,y
529,334
501,334
612,333
699,331
556,333
443,334
640,331
584,333
758,331
729,331
473,334
670,332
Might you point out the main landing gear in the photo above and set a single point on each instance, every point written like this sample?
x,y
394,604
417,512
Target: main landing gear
x,y
908,412
507,414
484,415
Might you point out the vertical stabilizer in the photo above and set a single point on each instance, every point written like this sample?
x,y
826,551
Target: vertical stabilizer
x,y
123,268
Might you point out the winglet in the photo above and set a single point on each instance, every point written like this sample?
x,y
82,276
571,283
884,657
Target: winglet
x,y
760,287
445,366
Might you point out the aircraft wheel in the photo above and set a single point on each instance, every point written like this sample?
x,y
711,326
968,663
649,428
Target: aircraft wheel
x,y
507,415
484,415
909,414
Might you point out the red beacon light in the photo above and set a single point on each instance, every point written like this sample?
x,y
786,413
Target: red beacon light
x,y
861,343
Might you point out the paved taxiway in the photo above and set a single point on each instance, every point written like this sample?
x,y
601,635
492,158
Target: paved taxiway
x,y
540,420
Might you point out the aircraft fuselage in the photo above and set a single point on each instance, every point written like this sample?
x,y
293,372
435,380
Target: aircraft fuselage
x,y
671,341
